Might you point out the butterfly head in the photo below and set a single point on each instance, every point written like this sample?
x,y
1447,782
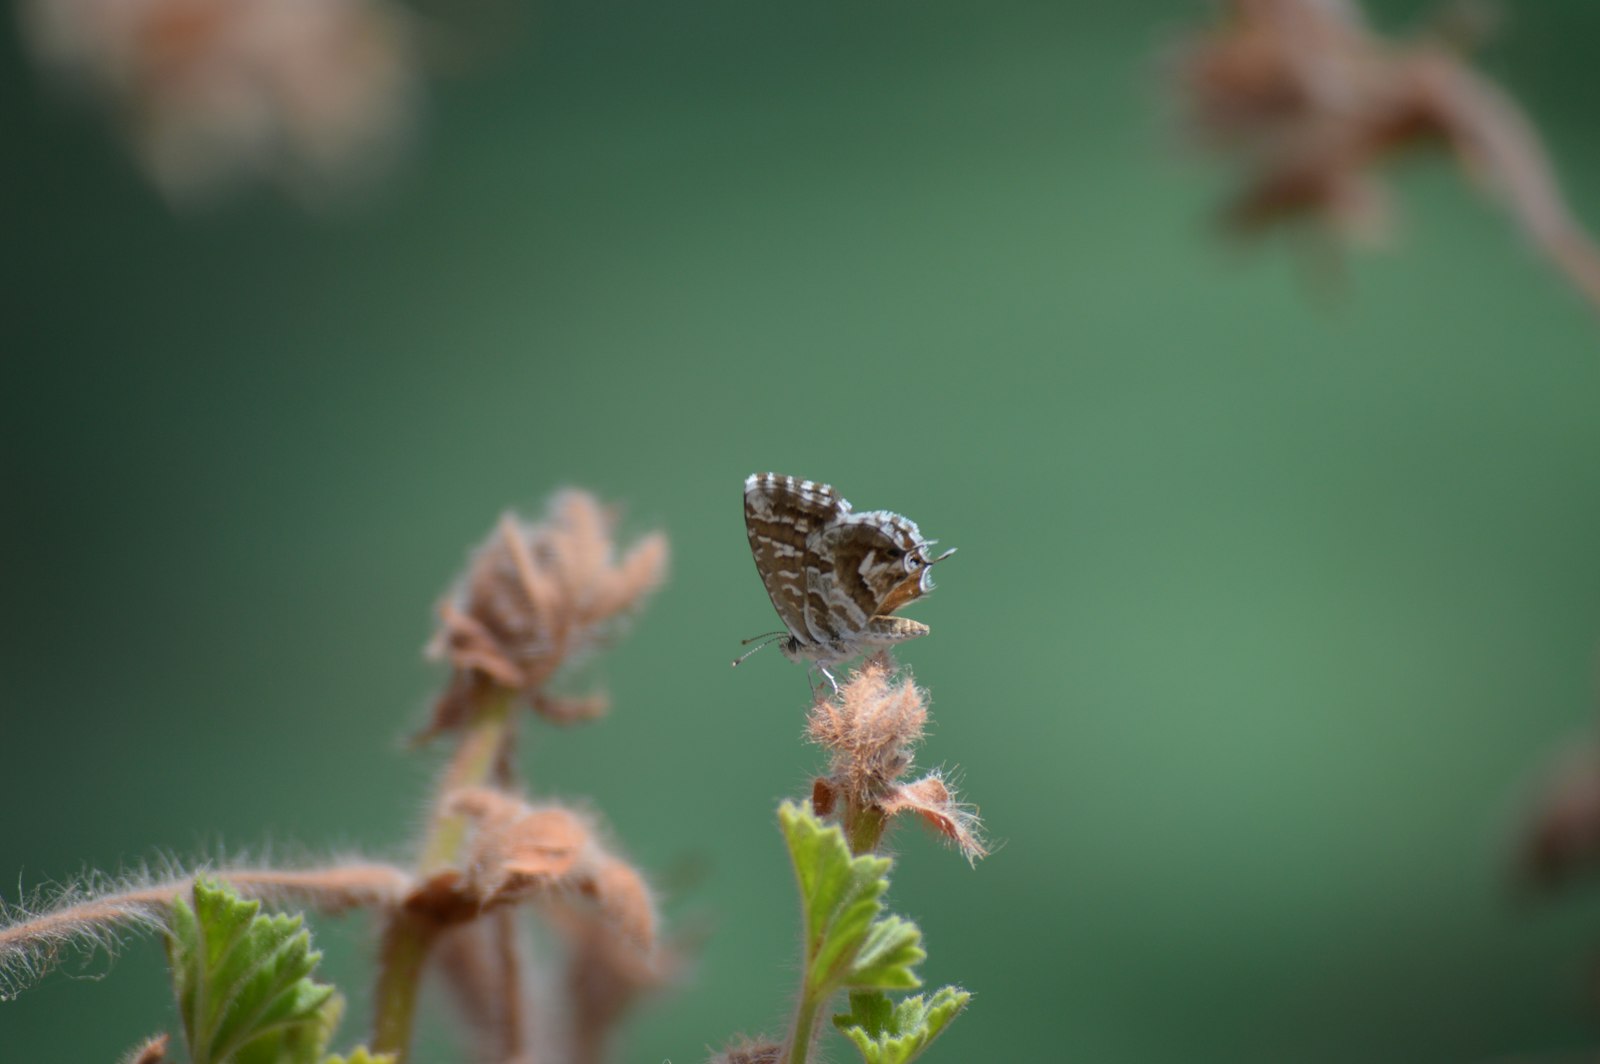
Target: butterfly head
x,y
915,576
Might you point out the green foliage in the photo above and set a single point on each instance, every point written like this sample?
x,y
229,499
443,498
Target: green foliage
x,y
846,942
244,987
890,1032
851,945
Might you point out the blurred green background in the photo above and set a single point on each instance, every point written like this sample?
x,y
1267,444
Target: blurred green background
x,y
1267,613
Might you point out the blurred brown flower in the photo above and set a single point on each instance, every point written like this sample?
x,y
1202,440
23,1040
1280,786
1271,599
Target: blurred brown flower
x,y
308,93
870,728
598,902
519,852
535,597
1308,102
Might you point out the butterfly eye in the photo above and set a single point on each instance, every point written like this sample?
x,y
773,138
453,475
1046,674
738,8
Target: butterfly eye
x,y
914,562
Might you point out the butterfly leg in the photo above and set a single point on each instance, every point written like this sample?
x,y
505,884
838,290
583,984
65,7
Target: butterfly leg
x,y
823,669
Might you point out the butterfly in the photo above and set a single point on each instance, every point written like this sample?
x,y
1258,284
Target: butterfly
x,y
835,576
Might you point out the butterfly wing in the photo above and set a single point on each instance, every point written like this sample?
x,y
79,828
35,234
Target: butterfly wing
x,y
781,514
879,564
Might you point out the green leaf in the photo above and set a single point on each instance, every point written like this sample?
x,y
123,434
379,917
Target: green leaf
x,y
886,959
887,1032
846,942
243,982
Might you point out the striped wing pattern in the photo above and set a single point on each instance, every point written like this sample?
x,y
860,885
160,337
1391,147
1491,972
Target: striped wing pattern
x,y
832,574
780,514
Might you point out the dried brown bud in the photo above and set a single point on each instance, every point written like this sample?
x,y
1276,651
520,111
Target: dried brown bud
x,y
869,727
537,596
823,796
1309,103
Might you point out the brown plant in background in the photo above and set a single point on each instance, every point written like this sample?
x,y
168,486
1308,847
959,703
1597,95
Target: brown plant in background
x,y
870,727
538,596
311,94
1309,103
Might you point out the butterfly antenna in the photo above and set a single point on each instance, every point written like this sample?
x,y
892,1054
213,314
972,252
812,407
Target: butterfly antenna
x,y
943,556
770,637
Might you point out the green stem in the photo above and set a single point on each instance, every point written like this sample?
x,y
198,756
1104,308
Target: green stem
x,y
805,1026
409,937
863,827
473,765
406,944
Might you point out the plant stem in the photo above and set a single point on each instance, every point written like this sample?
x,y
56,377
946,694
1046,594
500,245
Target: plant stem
x,y
863,827
805,1026
473,764
406,944
410,936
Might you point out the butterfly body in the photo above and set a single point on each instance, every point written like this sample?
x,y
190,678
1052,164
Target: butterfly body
x,y
834,575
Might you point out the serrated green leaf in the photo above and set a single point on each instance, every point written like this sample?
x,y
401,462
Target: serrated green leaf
x,y
893,947
890,1032
360,1056
846,942
243,983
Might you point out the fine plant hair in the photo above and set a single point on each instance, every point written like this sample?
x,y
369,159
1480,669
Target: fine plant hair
x,y
97,912
537,597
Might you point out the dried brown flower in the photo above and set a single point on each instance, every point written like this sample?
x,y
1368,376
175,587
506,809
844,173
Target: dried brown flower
x,y
1309,102
607,974
870,728
598,902
481,963
519,852
538,596
305,92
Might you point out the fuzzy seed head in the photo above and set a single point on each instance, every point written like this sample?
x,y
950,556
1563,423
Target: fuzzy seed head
x,y
870,728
